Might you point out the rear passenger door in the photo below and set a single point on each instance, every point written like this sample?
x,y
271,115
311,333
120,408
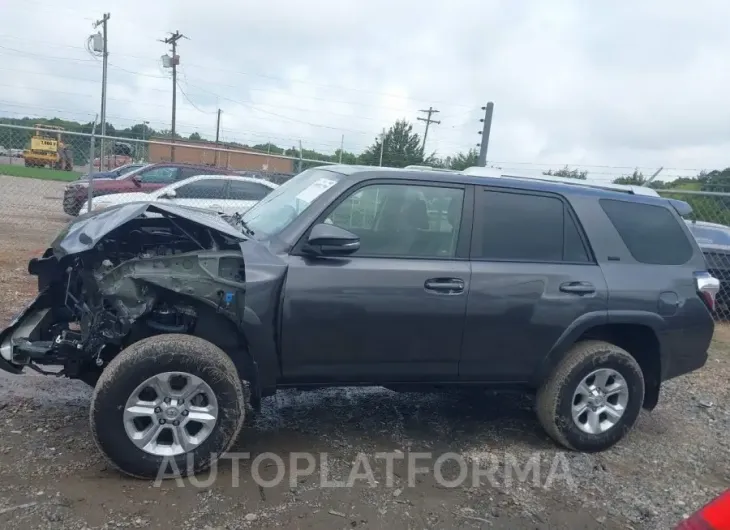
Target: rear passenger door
x,y
208,193
533,275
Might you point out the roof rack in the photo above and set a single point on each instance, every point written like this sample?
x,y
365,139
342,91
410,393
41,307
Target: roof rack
x,y
428,168
498,173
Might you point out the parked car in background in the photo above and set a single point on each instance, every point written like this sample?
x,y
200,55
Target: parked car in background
x,y
225,194
115,173
714,241
145,179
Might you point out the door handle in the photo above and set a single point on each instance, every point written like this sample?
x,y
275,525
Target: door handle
x,y
578,287
445,285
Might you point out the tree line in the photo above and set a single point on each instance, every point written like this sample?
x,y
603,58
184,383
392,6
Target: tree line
x,y
400,146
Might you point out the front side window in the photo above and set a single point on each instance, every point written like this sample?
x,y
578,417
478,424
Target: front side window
x,y
526,227
402,220
202,189
159,175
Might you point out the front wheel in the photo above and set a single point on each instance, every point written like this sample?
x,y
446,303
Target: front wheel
x,y
592,398
169,404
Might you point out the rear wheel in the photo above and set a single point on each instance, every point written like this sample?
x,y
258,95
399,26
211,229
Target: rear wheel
x,y
169,403
593,397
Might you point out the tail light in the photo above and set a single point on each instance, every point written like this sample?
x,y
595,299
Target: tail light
x,y
714,516
707,287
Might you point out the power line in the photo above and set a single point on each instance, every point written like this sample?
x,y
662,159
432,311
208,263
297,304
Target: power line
x,y
276,78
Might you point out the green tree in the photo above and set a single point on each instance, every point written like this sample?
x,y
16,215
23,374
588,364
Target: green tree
x,y
401,147
460,161
635,179
568,173
195,136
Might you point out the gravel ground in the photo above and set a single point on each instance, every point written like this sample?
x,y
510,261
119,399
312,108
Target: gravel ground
x,y
52,476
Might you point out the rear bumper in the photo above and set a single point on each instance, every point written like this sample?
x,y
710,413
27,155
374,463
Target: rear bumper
x,y
686,349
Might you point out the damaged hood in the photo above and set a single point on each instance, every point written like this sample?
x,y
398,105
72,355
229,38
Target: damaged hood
x,y
86,231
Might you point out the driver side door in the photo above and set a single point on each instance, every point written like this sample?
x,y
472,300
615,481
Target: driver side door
x,y
395,309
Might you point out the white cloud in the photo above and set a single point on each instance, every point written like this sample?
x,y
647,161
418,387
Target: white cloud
x,y
627,84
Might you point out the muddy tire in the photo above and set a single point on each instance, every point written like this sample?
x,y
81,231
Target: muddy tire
x,y
592,398
168,405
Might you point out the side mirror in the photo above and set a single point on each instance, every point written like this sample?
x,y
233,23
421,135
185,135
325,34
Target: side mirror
x,y
169,194
136,181
331,240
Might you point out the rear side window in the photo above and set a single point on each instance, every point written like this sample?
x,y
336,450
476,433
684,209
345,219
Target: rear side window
x,y
526,227
651,233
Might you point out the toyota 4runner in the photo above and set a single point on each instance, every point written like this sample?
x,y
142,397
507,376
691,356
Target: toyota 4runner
x,y
410,279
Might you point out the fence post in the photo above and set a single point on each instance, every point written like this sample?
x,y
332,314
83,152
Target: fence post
x,y
90,187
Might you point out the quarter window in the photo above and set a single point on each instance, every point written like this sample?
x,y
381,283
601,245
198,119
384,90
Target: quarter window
x,y
651,233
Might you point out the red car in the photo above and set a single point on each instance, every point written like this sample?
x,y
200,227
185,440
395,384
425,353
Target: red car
x,y
713,516
147,178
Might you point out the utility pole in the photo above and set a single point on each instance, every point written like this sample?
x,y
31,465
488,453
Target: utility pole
x,y
484,144
656,173
342,147
217,135
105,55
382,145
173,62
428,121
144,145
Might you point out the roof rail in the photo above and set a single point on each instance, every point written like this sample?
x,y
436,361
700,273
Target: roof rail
x,y
427,168
498,173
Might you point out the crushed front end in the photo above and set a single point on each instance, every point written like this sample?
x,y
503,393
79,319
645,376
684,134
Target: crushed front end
x,y
119,275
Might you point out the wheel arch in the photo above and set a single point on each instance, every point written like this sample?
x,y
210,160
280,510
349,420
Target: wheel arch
x,y
637,332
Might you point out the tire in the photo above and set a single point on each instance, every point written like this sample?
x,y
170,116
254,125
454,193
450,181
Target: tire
x,y
555,396
118,383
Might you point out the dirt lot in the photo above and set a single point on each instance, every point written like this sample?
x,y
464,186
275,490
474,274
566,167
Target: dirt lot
x,y
51,475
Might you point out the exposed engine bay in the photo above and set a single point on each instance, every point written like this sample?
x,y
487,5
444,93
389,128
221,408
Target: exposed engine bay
x,y
116,276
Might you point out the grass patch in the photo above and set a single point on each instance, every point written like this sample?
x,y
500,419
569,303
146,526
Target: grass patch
x,y
37,172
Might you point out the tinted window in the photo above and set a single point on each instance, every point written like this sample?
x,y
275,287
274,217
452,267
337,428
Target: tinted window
x,y
403,221
159,175
651,233
202,189
522,227
187,172
240,190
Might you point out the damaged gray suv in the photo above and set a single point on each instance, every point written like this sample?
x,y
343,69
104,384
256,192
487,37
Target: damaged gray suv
x,y
411,279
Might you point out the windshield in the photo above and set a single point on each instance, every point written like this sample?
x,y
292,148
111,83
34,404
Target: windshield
x,y
282,206
709,234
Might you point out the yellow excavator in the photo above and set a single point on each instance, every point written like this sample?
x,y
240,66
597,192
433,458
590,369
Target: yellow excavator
x,y
47,149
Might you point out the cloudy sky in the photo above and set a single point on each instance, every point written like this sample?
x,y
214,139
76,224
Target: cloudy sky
x,y
604,86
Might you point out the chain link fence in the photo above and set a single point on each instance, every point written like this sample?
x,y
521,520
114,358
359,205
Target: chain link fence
x,y
44,182
710,224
